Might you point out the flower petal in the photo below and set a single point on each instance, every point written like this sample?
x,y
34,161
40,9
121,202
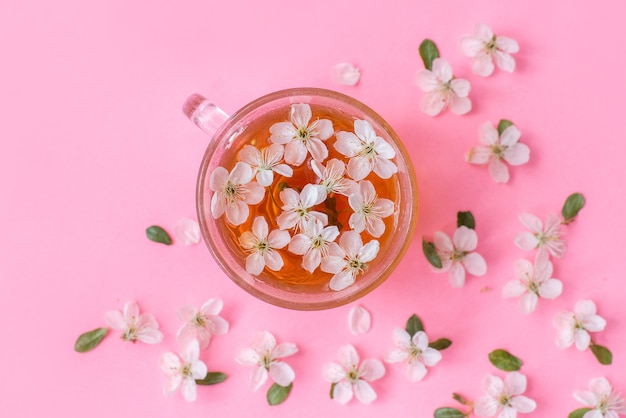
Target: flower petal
x,y
517,154
317,148
594,323
442,69
242,173
369,251
426,80
433,103
295,153
342,392
359,167
471,46
600,386
348,356
345,74
523,404
347,144
465,239
456,275
475,264
396,355
507,44
258,377
333,372
582,339
218,178
384,168
300,114
265,177
479,155
341,280
283,169
431,357
282,133
364,392
526,241
278,239
189,389
359,320
442,242
513,289
284,350
332,264
486,407
498,171
323,129
187,231
482,65
255,263
461,88
415,371
237,213
528,302
115,319
282,373
504,61
273,260
551,289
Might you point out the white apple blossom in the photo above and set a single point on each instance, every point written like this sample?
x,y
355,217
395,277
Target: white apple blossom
x,y
297,207
369,210
201,324
414,352
546,238
443,89
497,149
187,231
359,320
602,399
532,282
313,243
348,259
485,48
346,74
574,327
350,376
183,371
264,355
262,246
457,256
367,152
135,326
233,192
504,399
332,177
266,162
301,137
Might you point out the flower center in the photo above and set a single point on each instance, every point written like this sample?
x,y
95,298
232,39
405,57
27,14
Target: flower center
x,y
233,192
367,208
262,246
130,334
533,287
199,320
303,134
498,150
353,375
267,360
457,255
185,371
491,45
368,151
355,265
505,400
317,242
414,352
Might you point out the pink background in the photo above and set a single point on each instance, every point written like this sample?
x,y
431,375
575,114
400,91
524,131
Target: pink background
x,y
96,148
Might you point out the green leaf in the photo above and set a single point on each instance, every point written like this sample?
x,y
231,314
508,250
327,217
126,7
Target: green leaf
x,y
440,344
465,219
578,413
448,413
157,234
90,340
503,124
428,52
573,204
431,254
277,394
504,360
460,399
212,378
413,325
602,353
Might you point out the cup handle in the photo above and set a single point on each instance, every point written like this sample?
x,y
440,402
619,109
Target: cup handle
x,y
204,114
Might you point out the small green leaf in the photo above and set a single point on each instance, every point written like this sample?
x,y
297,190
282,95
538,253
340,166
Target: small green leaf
x,y
431,254
503,124
332,390
602,353
157,234
282,186
90,340
578,413
428,52
277,394
465,219
448,413
573,204
440,344
460,399
212,378
504,360
413,325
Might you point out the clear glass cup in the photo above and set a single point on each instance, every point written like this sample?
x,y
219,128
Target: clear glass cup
x,y
226,131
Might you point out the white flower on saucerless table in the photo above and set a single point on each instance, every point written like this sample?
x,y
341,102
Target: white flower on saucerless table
x,y
504,399
135,326
485,48
183,371
603,401
443,90
414,352
457,255
201,324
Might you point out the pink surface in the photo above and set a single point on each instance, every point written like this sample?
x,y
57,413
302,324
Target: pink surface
x,y
96,148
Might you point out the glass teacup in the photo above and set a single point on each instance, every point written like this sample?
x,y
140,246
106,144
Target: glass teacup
x,y
306,197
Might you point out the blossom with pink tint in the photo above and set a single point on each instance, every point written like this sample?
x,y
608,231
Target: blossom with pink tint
x,y
545,238
201,324
233,192
532,282
266,162
443,90
262,245
297,207
457,255
485,48
183,371
414,352
313,243
348,259
504,399
573,328
135,326
602,399
369,210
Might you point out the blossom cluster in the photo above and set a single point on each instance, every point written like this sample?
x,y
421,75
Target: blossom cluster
x,y
301,228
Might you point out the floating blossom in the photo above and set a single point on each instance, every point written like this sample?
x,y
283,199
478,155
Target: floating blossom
x,y
301,137
414,352
233,192
134,325
187,231
485,48
546,238
348,259
359,320
297,207
182,371
504,399
367,152
457,256
266,162
532,283
369,210
201,324
498,149
351,378
264,355
605,403
346,74
313,243
332,177
574,327
262,246
443,90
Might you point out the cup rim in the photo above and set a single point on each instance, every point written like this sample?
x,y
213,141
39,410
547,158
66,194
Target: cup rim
x,y
252,287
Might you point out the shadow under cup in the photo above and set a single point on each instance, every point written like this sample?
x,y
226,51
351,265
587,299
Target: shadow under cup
x,y
225,143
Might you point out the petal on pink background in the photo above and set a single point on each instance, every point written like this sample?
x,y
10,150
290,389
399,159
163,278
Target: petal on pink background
x,y
359,320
